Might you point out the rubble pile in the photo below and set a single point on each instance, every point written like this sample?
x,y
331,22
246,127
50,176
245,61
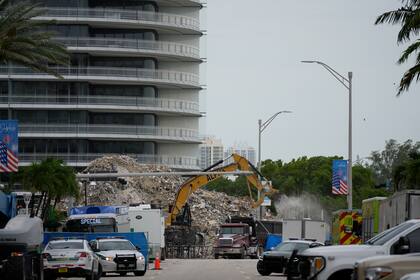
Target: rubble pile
x,y
208,208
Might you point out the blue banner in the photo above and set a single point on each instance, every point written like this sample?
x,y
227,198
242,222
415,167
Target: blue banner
x,y
8,146
339,177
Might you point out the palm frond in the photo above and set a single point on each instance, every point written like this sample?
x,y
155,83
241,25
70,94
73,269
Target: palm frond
x,y
411,26
413,48
407,79
395,17
23,41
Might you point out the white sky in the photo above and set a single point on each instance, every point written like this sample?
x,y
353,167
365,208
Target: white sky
x,y
254,49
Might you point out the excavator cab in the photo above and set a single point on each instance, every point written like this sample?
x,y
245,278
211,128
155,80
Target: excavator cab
x,y
184,217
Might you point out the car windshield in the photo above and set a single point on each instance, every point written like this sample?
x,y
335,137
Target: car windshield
x,y
65,245
290,246
381,239
116,245
232,230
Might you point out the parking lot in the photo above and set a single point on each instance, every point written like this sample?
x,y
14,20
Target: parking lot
x,y
177,269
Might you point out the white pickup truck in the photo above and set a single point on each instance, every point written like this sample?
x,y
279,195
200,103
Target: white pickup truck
x,y
337,262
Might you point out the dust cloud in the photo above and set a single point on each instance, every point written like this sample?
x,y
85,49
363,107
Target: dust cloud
x,y
300,207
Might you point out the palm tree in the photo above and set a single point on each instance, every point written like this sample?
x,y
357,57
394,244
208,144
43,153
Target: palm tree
x,y
25,42
53,179
409,18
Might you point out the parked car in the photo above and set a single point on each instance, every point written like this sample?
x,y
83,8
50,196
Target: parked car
x,y
386,267
411,276
276,259
70,258
118,255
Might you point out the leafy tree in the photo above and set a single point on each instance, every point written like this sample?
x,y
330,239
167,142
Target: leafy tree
x,y
383,163
408,16
407,174
23,42
307,175
236,187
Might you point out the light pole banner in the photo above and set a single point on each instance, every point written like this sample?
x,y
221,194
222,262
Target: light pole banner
x,y
339,178
8,146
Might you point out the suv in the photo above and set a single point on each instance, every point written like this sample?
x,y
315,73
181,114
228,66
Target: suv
x,y
276,260
337,262
386,267
70,258
119,255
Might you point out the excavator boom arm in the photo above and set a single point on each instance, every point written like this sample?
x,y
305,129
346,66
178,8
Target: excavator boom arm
x,y
191,185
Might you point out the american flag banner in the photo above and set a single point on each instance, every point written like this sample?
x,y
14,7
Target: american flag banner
x,y
339,179
8,146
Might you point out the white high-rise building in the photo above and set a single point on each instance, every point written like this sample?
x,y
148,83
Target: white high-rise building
x,y
211,151
132,86
243,150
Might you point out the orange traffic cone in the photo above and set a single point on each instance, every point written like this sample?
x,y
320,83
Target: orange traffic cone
x,y
157,263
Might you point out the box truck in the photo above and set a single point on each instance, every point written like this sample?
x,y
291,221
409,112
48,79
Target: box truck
x,y
151,222
398,208
305,229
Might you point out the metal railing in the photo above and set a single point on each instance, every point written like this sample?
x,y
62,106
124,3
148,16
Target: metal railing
x,y
119,15
141,74
84,159
167,48
169,105
118,131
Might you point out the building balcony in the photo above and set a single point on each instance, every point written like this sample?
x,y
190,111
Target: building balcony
x,y
101,103
127,47
107,75
82,160
122,18
182,3
109,132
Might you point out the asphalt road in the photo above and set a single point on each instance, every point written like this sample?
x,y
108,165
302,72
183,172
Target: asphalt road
x,y
177,269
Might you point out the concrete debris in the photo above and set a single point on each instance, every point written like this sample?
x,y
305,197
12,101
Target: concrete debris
x,y
208,208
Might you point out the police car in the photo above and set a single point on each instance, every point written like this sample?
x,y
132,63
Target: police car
x,y
119,255
70,258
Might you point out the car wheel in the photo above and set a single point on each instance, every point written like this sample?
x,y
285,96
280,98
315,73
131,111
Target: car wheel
x,y
216,256
123,273
49,277
91,276
98,275
140,273
262,269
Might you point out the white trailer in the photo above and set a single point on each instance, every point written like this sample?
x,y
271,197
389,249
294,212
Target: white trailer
x,y
316,230
152,223
398,208
292,229
305,229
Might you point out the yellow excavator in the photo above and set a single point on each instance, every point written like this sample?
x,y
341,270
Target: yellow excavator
x,y
178,222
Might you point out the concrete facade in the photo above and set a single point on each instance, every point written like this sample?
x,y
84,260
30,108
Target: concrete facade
x,y
132,87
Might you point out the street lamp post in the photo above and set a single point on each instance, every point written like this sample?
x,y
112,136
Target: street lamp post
x,y
261,127
347,83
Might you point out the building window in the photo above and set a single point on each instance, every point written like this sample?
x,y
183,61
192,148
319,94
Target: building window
x,y
121,90
148,63
122,119
136,34
149,6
